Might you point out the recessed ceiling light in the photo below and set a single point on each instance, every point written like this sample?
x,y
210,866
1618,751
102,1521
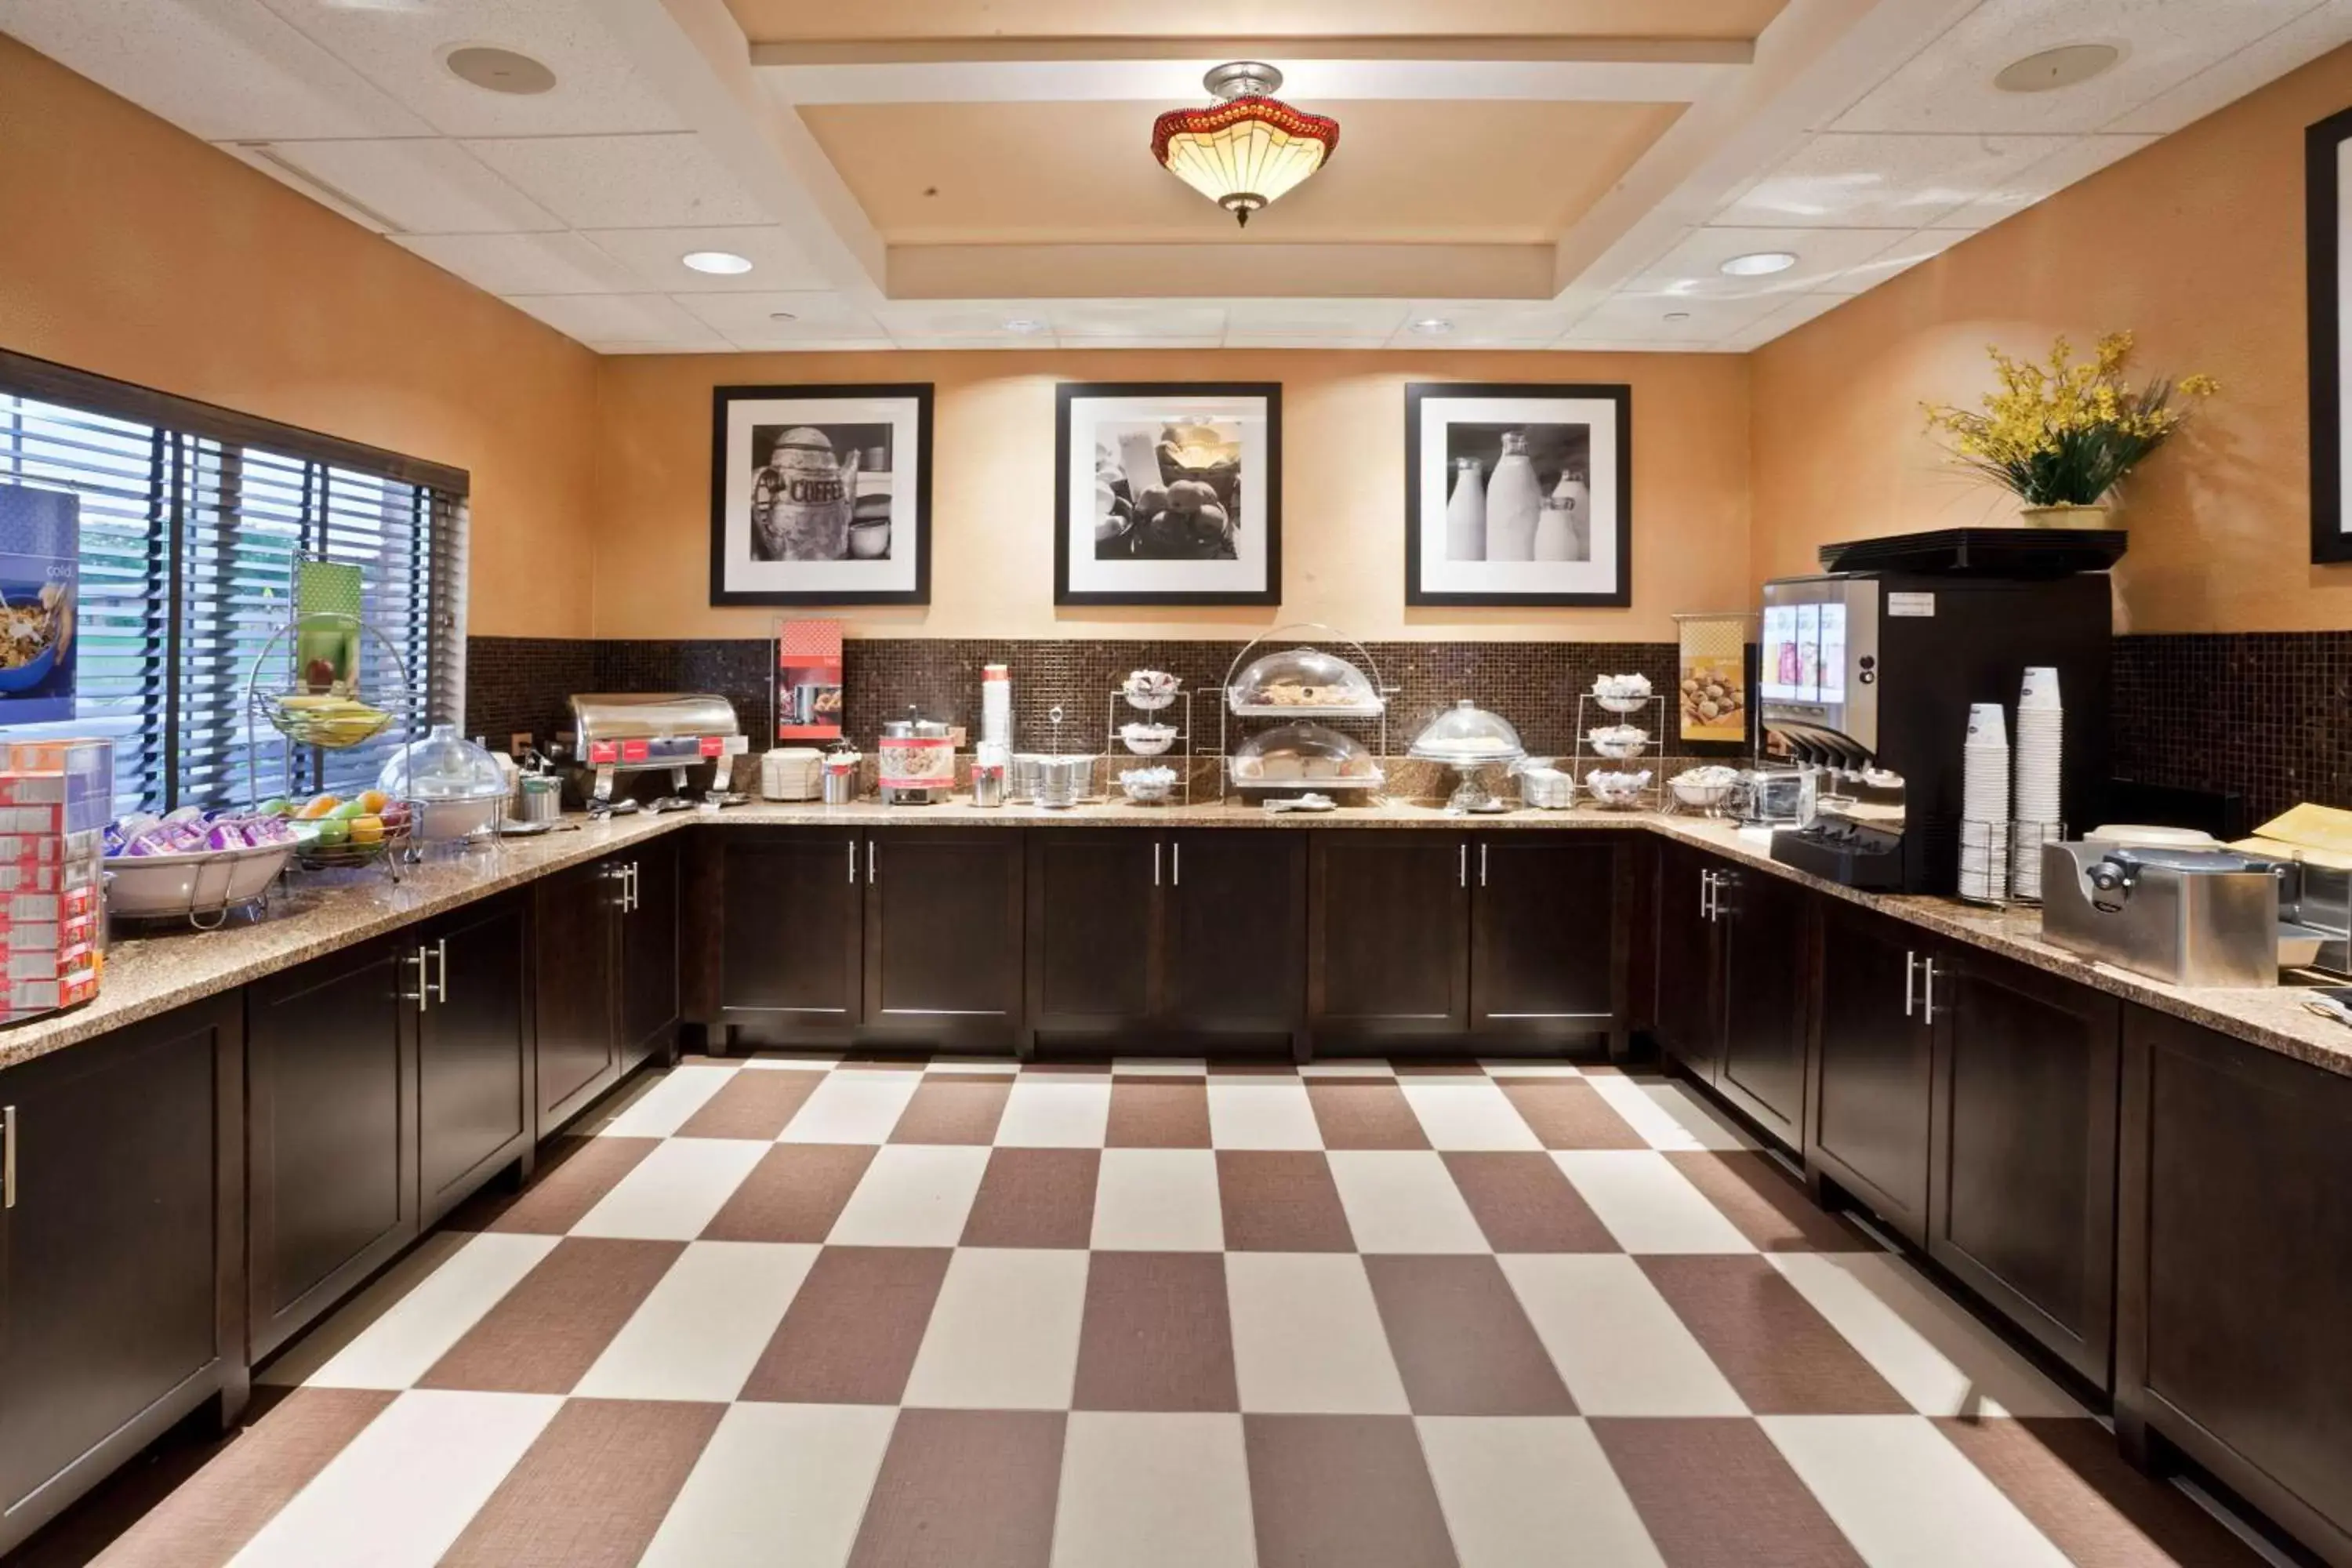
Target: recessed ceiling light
x,y
725,263
1433,326
2065,65
1677,315
498,70
1757,263
1025,325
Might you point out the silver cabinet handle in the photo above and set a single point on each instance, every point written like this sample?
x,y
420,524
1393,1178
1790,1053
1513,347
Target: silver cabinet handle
x,y
1482,865
423,994
851,847
7,1156
1910,981
1463,874
869,862
1707,895
1927,994
1176,864
633,900
1155,862
440,986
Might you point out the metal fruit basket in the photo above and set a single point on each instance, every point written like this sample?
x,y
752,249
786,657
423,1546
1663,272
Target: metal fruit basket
x,y
310,713
313,855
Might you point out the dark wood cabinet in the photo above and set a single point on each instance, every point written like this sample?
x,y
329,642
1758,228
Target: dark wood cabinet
x,y
2022,1191
1095,913
331,1129
574,996
1546,945
2234,1272
943,915
1388,935
1688,1016
1233,936
647,960
1873,1056
788,903
1762,930
474,1111
122,1250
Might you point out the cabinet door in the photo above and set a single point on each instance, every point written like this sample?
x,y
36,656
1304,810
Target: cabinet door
x,y
1544,943
1761,925
1234,933
943,913
1388,951
790,902
1872,1060
574,996
2022,1201
331,1140
1093,925
118,1295
1688,1017
473,1052
649,968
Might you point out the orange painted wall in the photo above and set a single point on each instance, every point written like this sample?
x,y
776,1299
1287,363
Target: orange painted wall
x,y
2195,244
130,248
1342,500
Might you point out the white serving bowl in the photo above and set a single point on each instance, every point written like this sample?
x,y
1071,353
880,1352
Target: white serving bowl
x,y
1619,742
163,887
1147,739
441,821
1622,693
1700,796
1149,690
1147,786
1616,789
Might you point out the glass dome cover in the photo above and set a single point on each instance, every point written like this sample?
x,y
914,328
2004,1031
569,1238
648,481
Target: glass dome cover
x,y
1304,756
1302,680
442,766
1466,734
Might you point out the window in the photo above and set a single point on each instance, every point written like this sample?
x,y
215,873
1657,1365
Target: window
x,y
193,519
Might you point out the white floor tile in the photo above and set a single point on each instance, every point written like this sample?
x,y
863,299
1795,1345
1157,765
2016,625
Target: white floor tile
x,y
1307,1336
1006,1065
1467,1113
662,1109
1056,1110
1154,1491
1933,1351
1618,1345
1004,1334
1403,1200
402,1491
1159,1067
913,1195
795,1062
1349,1067
1532,1493
1667,1115
1158,1200
852,1107
1904,1496
1647,1205
674,1191
393,1332
1262,1112
778,1486
699,1331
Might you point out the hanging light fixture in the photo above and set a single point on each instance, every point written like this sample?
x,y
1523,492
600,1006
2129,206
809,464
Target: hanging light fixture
x,y
1247,148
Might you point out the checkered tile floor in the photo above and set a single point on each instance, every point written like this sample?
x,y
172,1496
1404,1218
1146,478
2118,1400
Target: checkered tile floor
x,y
809,1312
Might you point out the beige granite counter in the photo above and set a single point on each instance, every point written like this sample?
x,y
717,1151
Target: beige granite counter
x,y
147,975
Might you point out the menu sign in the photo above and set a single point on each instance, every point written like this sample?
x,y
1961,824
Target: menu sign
x,y
808,694
40,556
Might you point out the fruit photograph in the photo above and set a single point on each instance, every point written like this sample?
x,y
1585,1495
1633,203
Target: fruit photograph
x,y
1189,504
1171,493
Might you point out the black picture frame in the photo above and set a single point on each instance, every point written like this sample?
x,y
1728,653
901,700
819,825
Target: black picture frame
x,y
1070,393
728,403
2331,539
1419,394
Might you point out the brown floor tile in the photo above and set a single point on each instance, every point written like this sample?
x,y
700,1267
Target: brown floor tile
x,y
851,1333
1461,1343
1716,1493
1099,1066
754,1103
592,1490
1566,1113
1343,1492
572,1176
1364,1113
1436,1067
1281,1201
898,1060
1525,1203
545,1333
964,1489
1158,1114
793,1193
1250,1066
1035,1197
1158,1333
1766,1202
954,1108
2068,1477
1781,1354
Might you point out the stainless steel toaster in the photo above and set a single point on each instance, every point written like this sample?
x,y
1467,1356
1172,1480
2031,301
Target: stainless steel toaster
x,y
2188,917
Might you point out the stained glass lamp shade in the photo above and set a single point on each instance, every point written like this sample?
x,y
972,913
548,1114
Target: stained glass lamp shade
x,y
1248,150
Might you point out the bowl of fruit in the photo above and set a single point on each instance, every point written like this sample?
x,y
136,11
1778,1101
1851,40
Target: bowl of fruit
x,y
330,831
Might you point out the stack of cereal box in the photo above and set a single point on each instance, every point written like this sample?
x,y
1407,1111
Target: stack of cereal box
x,y
55,799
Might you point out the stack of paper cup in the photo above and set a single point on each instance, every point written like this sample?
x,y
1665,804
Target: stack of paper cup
x,y
2040,725
1984,804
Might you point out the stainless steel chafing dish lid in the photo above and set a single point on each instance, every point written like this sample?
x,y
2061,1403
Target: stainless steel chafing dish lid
x,y
649,716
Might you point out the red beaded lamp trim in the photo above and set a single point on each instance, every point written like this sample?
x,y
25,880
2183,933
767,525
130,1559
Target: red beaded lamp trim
x,y
1273,110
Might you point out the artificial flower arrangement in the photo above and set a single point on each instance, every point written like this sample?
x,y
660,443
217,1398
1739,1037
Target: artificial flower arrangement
x,y
2063,435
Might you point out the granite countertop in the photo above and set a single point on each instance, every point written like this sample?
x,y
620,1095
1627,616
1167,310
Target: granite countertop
x,y
149,974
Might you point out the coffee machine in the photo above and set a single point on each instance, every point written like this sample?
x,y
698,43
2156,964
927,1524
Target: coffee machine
x,y
1867,671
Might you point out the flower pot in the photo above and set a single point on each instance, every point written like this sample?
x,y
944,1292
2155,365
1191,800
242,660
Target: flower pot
x,y
2067,514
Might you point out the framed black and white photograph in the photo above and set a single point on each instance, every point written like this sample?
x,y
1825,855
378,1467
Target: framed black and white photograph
x,y
821,495
1168,493
2327,249
1519,495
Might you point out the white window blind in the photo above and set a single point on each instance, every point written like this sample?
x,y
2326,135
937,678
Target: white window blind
x,y
193,522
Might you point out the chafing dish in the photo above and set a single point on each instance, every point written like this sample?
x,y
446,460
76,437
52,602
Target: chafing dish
x,y
618,733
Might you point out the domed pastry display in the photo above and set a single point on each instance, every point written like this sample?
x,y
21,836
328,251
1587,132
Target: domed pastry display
x,y
1297,756
455,786
1465,738
1303,682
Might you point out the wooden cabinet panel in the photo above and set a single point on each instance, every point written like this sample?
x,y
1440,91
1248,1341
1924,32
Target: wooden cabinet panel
x,y
2021,1206
574,995
1688,1016
790,941
473,1052
1543,933
331,1153
648,972
1235,932
1762,922
120,1305
1093,929
1874,1057
1388,933
943,918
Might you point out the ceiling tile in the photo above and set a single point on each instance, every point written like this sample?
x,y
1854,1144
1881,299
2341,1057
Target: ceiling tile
x,y
1314,321
818,320
524,263
1481,323
624,182
2305,38
1692,269
1948,86
2076,160
652,254
1090,320
1900,257
965,323
1641,318
400,46
1883,181
419,186
1791,315
598,320
225,69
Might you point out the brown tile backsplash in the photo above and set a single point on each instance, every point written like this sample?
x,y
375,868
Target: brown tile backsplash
x,y
2263,715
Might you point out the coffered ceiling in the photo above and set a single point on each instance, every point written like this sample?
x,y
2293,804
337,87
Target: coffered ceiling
x,y
1513,174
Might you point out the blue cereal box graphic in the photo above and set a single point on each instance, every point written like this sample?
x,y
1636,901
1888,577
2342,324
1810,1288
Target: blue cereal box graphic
x,y
40,533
